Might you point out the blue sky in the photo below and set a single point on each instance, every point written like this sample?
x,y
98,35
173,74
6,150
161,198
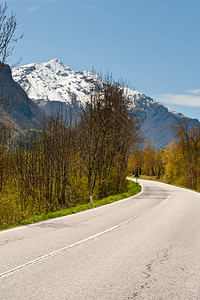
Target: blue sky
x,y
152,44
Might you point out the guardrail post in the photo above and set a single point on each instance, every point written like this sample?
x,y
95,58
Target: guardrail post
x,y
91,202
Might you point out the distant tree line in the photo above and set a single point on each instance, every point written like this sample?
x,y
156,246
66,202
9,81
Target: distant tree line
x,y
178,163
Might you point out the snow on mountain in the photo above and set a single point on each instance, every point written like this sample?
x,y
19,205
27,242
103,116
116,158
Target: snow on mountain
x,y
52,85
53,81
138,98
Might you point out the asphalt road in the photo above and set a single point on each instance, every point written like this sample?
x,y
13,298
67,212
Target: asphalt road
x,y
144,247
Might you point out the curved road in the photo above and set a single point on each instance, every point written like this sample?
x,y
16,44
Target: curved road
x,y
143,247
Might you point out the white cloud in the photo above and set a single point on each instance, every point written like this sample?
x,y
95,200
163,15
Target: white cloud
x,y
191,100
194,91
36,4
33,8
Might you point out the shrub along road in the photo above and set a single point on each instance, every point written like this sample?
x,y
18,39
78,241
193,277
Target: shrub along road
x,y
143,247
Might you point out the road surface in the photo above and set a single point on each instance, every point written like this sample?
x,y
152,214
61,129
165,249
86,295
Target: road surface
x,y
143,247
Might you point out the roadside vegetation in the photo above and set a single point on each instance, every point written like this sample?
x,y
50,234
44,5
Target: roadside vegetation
x,y
60,166
132,189
178,163
54,171
66,162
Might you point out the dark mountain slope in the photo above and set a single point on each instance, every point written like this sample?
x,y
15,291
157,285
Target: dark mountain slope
x,y
159,120
15,104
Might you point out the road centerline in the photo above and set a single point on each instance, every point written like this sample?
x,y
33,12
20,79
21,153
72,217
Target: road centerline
x,y
56,252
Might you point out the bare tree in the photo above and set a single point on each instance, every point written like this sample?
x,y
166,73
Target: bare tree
x,y
108,129
8,25
189,141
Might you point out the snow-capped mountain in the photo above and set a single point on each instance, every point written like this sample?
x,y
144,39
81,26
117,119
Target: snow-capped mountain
x,y
53,81
53,84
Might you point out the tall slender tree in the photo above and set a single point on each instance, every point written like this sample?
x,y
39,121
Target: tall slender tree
x,y
8,25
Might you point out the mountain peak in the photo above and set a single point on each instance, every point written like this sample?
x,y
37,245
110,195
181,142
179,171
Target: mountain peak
x,y
55,61
53,82
55,64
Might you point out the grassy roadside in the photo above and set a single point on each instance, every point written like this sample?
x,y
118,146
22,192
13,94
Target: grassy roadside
x,y
133,189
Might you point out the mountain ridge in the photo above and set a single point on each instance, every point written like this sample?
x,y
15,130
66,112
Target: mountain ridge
x,y
52,84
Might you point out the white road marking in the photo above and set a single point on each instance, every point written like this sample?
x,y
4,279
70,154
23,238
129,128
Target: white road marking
x,y
41,258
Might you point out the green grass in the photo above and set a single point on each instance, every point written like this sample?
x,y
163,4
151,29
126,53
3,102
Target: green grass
x,y
133,189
